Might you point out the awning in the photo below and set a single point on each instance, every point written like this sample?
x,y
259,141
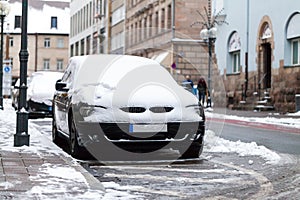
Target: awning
x,y
164,58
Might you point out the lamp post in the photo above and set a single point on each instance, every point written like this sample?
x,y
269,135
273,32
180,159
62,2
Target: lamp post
x,y
209,34
4,10
22,137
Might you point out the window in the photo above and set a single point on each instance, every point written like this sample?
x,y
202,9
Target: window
x,y
117,41
53,22
47,42
292,42
234,50
118,15
60,43
82,47
236,62
46,64
295,52
72,50
11,41
169,25
60,64
162,20
17,21
88,45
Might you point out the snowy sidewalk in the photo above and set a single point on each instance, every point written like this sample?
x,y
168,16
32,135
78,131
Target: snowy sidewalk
x,y
42,170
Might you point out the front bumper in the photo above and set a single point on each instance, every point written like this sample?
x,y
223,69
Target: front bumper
x,y
178,135
39,110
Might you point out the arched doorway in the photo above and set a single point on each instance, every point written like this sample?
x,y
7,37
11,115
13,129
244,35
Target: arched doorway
x,y
265,56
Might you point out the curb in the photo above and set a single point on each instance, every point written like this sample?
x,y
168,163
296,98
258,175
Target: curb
x,y
93,182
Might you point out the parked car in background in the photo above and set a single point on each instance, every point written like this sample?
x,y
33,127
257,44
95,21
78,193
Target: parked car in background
x,y
15,93
119,107
39,95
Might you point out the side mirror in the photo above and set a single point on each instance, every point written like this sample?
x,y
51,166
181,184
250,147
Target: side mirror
x,y
61,86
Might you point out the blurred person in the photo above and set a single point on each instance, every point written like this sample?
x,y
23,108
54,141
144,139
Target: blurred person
x,y
202,89
188,79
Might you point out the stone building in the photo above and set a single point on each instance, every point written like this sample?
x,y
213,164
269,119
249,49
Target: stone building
x,y
161,30
48,36
258,53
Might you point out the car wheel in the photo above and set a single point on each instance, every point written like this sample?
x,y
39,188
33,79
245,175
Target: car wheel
x,y
76,151
55,136
193,151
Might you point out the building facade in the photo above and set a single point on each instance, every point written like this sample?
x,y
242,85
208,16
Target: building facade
x,y
163,30
89,24
48,36
258,53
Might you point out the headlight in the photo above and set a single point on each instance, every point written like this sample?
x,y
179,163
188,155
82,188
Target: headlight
x,y
86,111
197,109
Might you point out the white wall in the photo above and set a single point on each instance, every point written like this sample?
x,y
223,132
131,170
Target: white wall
x,y
236,10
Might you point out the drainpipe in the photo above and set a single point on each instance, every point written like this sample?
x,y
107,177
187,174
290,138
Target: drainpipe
x,y
36,53
173,19
109,27
246,54
173,37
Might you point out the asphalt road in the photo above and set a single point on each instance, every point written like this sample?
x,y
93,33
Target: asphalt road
x,y
281,140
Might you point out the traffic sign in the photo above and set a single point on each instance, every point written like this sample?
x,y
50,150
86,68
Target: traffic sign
x,y
7,69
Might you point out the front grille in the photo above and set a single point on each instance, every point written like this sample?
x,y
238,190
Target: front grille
x,y
133,109
161,109
114,131
157,109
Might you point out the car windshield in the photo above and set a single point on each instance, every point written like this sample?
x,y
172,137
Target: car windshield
x,y
101,75
42,85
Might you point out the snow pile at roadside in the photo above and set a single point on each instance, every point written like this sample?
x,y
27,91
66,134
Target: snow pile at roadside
x,y
214,143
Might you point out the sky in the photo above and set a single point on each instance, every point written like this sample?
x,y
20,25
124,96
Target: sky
x,y
41,143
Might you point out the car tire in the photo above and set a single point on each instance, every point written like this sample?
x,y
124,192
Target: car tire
x,y
76,150
193,151
55,135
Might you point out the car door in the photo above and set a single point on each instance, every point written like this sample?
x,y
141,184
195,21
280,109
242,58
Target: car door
x,y
62,101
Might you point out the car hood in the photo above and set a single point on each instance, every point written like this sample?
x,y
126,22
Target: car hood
x,y
124,82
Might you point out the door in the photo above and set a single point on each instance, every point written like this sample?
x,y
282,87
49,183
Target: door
x,y
267,65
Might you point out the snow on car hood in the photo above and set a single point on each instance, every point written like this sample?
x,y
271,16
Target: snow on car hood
x,y
42,86
116,82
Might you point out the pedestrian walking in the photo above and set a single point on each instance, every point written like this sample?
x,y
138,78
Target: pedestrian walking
x,y
189,80
202,88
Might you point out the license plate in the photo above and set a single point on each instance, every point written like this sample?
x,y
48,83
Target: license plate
x,y
146,128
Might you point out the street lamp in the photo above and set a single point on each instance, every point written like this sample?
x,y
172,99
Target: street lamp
x,y
22,137
4,10
209,34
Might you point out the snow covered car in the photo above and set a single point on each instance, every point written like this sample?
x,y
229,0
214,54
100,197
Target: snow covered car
x,y
40,93
125,107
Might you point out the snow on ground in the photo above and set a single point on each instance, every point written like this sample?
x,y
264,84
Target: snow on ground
x,y
40,144
214,143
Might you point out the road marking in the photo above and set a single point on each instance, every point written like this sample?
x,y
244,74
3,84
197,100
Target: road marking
x,y
176,179
141,189
266,186
138,169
